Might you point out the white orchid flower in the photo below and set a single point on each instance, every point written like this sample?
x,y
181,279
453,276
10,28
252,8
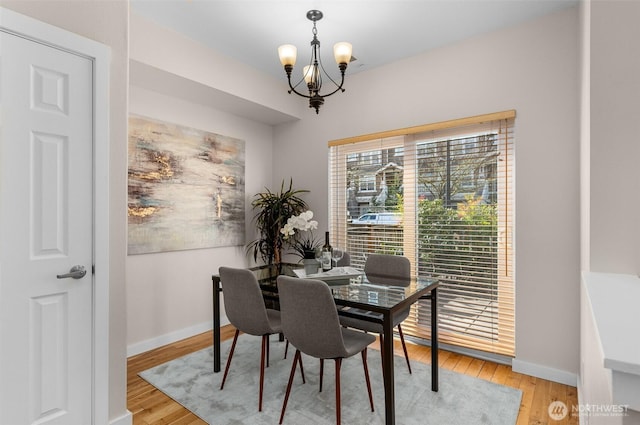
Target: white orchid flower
x,y
298,222
288,230
307,215
302,221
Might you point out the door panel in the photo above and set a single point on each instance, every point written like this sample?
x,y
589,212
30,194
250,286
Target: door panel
x,y
46,227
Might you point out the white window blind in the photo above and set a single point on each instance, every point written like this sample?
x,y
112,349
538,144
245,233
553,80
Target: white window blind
x,y
451,186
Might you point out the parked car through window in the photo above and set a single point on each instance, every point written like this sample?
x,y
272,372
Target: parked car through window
x,y
389,218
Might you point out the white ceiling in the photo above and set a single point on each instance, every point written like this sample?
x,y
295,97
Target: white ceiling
x,y
381,31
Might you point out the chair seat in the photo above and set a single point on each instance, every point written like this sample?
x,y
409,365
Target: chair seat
x,y
356,341
374,327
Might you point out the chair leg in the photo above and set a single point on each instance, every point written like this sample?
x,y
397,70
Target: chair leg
x,y
366,377
321,373
338,407
267,338
404,347
291,375
381,338
301,369
286,349
233,347
265,350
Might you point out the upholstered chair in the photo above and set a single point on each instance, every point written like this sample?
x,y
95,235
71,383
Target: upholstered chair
x,y
310,323
245,309
386,270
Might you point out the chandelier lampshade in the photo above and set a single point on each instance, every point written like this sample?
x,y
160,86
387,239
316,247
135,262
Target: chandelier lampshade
x,y
342,52
312,74
287,53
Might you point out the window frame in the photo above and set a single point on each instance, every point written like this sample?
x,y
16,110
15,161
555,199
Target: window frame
x,y
408,139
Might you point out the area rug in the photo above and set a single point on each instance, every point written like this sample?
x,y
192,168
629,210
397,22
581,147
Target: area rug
x,y
461,399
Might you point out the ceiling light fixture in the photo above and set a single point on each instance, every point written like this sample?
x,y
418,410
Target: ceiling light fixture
x,y
312,73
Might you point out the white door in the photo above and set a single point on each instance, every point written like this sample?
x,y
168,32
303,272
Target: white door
x,y
46,142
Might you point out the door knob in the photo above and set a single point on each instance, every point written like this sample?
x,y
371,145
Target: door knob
x,y
76,272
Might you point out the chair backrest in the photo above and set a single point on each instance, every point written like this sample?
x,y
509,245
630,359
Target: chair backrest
x,y
388,269
310,318
243,302
345,260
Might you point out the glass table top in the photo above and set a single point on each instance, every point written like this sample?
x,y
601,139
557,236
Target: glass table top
x,y
359,290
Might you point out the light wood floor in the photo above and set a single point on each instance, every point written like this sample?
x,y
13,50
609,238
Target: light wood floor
x,y
150,407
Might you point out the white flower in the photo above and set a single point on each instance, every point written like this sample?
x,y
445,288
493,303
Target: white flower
x,y
302,221
300,243
288,230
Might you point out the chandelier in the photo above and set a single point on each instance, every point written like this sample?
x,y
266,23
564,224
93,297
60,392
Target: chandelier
x,y
312,73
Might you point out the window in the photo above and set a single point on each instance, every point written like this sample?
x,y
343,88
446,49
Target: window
x,y
451,186
367,184
370,158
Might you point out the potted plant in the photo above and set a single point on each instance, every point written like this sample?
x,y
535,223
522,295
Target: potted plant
x,y
273,211
303,243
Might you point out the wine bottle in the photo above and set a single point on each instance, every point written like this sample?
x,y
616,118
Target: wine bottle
x,y
326,254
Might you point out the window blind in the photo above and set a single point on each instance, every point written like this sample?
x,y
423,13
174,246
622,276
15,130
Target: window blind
x,y
442,195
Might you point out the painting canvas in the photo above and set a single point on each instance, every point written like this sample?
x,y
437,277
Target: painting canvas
x,y
186,188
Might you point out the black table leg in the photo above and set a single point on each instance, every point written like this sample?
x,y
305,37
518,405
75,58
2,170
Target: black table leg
x,y
387,370
434,339
216,324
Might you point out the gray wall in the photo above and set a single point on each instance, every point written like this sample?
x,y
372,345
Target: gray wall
x,y
611,147
176,79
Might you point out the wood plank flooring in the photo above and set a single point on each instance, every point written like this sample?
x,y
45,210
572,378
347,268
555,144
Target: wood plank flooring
x,y
149,406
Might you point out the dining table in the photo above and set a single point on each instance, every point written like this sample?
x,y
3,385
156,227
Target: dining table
x,y
356,295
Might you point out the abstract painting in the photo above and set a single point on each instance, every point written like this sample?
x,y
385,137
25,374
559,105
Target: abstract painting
x,y
186,188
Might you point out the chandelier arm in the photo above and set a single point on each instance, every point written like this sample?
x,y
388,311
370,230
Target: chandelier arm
x,y
321,70
332,80
293,88
338,87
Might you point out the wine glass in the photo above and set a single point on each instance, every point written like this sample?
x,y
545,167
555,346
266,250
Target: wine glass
x,y
318,252
337,255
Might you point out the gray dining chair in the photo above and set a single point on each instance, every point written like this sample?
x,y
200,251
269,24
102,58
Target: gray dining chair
x,y
344,261
245,309
387,270
310,323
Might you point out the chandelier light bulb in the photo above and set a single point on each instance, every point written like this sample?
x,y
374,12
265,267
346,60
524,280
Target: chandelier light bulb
x,y
307,72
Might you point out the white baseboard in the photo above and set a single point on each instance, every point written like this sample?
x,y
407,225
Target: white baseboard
x,y
582,419
159,341
544,372
126,419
